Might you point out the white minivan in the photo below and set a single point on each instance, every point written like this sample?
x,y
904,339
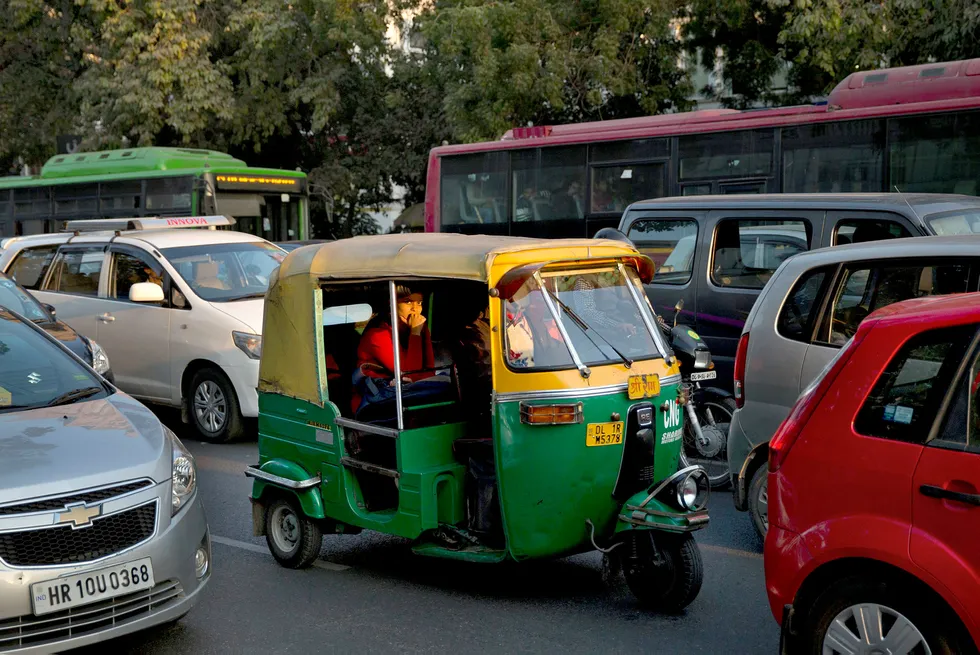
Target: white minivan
x,y
179,311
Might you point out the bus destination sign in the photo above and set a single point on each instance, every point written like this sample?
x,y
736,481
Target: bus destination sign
x,y
274,183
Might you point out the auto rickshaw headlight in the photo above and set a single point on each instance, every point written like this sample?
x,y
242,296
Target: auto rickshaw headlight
x,y
702,359
693,490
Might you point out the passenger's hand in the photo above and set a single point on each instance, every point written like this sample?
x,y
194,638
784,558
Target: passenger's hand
x,y
415,322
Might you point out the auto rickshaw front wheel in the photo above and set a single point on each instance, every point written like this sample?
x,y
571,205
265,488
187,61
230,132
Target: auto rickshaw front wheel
x,y
664,571
294,540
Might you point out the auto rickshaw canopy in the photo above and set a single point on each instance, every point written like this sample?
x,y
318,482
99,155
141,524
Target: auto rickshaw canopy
x,y
292,362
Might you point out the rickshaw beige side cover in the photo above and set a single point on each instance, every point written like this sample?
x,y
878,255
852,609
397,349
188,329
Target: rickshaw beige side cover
x,y
292,364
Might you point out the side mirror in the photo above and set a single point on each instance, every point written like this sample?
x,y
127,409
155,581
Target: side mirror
x,y
146,292
51,310
679,306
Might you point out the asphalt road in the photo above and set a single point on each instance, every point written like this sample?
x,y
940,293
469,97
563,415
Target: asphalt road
x,y
369,593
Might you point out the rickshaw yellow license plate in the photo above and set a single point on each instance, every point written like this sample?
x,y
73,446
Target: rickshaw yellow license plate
x,y
604,434
643,386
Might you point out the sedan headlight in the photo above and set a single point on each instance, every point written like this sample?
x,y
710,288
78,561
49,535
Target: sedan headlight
x,y
100,360
250,344
184,473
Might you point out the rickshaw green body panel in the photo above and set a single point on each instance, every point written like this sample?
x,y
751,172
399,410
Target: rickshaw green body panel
x,y
550,481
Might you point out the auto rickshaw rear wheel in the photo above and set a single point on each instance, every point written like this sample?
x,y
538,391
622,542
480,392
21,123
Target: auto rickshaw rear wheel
x,y
294,539
663,571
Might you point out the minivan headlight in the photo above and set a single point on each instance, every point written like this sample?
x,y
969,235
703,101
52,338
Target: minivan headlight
x,y
183,473
250,344
100,360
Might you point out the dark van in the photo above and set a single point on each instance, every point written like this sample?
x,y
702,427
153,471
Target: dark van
x,y
718,252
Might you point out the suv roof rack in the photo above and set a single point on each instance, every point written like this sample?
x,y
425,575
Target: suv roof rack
x,y
137,224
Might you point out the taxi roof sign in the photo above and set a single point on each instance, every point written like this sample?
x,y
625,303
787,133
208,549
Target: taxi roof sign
x,y
154,223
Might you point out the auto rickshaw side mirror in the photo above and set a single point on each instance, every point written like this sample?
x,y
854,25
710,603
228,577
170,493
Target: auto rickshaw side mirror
x,y
679,306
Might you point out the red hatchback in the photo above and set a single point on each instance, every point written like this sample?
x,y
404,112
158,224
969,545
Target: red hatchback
x,y
874,508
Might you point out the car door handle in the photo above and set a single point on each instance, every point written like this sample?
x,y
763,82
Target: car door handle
x,y
107,318
938,492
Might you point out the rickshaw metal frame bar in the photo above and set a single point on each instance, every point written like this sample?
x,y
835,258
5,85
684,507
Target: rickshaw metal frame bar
x,y
582,368
651,328
395,338
252,471
691,516
663,527
351,462
366,427
663,485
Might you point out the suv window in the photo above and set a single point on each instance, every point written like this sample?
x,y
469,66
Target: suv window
x,y
905,399
30,266
797,313
862,230
864,289
671,245
77,271
128,269
748,251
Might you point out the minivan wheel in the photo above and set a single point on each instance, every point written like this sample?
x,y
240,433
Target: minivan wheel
x,y
214,407
758,493
293,539
857,615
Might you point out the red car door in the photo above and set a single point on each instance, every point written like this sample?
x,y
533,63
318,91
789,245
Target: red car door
x,y
945,539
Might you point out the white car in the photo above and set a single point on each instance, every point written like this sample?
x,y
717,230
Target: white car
x,y
179,311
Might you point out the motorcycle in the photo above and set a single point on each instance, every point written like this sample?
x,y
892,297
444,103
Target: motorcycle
x,y
709,409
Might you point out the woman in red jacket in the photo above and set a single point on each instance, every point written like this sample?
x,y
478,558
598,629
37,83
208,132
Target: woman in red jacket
x,y
375,353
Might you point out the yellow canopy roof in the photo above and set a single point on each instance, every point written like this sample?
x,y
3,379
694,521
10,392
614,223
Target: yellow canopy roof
x,y
427,255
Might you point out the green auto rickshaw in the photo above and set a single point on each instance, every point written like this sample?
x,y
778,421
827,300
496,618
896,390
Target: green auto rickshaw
x,y
538,412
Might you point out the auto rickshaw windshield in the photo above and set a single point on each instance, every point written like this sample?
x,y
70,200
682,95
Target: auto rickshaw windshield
x,y
570,318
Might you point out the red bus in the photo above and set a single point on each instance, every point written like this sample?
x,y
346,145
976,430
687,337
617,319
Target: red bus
x,y
916,128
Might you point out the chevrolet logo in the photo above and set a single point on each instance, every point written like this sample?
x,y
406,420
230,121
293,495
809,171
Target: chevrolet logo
x,y
79,515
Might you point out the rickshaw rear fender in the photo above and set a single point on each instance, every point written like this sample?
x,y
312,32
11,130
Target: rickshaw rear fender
x,y
263,492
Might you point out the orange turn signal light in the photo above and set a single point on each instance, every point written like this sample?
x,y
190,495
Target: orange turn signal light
x,y
551,414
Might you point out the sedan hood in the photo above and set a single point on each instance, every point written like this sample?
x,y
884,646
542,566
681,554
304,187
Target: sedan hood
x,y
248,312
57,450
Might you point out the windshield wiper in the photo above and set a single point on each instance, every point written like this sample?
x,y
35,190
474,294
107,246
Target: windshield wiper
x,y
73,396
247,296
586,329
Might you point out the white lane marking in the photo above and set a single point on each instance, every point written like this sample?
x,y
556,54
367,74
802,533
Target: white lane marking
x,y
255,548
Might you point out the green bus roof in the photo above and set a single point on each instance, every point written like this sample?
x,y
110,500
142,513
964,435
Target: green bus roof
x,y
136,163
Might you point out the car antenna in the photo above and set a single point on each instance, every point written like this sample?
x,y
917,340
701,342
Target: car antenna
x,y
914,213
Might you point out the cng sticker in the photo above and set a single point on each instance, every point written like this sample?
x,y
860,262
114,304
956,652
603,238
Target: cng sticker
x,y
672,414
5,398
693,335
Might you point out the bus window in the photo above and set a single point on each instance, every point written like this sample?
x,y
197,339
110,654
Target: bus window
x,y
936,154
726,154
120,198
614,187
168,194
76,200
637,149
474,188
549,184
834,157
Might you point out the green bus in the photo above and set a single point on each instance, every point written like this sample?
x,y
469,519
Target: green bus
x,y
134,182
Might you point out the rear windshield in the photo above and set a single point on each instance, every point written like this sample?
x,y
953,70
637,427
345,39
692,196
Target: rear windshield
x,y
34,372
955,223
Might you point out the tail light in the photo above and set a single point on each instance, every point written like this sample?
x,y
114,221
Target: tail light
x,y
743,347
807,403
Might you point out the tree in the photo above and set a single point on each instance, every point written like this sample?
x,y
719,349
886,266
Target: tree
x,y
43,46
508,63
